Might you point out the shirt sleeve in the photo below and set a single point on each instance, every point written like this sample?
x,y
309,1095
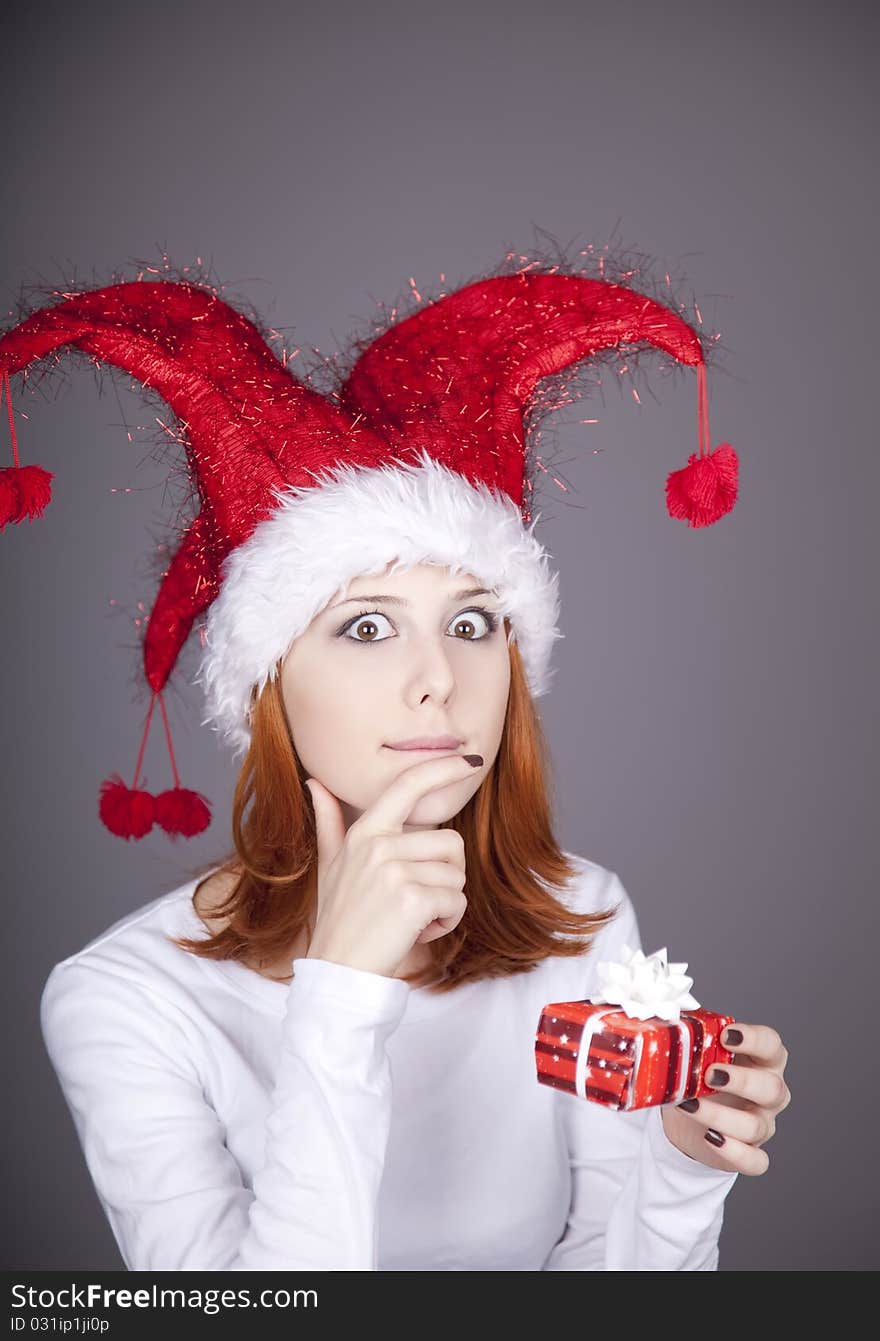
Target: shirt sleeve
x,y
154,1146
638,1202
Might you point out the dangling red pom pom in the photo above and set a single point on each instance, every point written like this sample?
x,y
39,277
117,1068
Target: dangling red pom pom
x,y
35,491
10,500
705,490
181,811
126,813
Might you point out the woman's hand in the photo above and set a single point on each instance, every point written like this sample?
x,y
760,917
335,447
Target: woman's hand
x,y
743,1112
381,890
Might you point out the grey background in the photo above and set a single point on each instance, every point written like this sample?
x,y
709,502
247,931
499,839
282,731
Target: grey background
x,y
712,721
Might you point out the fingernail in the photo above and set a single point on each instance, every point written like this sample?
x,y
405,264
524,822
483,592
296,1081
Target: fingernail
x,y
714,1137
718,1078
474,759
690,1105
733,1037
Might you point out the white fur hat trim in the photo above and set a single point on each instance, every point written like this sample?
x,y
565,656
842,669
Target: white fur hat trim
x,y
355,523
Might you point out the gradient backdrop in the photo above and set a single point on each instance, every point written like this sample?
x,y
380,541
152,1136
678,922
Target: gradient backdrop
x,y
713,718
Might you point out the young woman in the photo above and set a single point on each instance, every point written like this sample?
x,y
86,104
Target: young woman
x,y
292,1093
319,1052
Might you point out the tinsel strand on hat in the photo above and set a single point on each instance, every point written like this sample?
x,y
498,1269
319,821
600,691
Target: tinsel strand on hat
x,y
423,452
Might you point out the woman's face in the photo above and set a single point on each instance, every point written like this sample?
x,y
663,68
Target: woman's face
x,y
425,661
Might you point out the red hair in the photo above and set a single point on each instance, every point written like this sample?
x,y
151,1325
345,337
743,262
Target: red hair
x,y
512,922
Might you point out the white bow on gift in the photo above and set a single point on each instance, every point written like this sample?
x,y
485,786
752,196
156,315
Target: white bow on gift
x,y
645,986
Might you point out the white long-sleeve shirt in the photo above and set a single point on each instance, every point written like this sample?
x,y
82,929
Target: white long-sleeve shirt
x,y
346,1121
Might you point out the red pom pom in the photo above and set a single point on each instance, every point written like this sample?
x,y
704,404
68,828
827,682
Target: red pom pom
x,y
126,813
10,501
705,490
35,491
181,811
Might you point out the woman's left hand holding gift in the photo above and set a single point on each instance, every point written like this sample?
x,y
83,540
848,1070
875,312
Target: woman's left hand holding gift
x,y
743,1113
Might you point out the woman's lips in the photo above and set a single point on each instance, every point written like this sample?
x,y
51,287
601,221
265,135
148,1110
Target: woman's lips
x,y
423,749
431,740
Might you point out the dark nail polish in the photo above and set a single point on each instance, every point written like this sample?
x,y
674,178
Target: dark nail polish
x,y
690,1105
733,1037
475,760
717,1078
714,1137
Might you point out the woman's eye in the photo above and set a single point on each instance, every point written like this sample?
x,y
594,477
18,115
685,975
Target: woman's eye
x,y
368,621
363,628
489,623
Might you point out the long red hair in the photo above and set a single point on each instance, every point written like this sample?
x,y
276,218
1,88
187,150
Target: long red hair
x,y
512,921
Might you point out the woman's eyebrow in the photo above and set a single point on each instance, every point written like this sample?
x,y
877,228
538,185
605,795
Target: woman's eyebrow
x,y
399,600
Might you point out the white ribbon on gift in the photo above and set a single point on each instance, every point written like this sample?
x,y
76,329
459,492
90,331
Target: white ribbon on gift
x,y
645,986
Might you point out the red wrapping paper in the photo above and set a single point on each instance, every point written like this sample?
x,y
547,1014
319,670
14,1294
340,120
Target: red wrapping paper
x,y
599,1053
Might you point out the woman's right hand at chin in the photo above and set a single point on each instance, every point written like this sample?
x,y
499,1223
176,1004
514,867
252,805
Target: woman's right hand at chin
x,y
381,890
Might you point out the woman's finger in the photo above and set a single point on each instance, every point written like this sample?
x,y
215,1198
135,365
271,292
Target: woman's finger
x,y
760,1085
749,1125
747,1159
760,1043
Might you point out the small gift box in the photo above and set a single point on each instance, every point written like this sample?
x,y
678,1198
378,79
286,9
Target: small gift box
x,y
640,1040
